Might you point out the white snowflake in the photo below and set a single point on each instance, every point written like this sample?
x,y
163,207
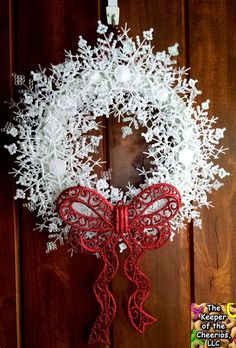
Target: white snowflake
x,y
11,148
173,50
124,78
148,34
101,29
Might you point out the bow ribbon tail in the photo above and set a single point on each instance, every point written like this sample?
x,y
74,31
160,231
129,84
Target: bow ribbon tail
x,y
100,330
138,317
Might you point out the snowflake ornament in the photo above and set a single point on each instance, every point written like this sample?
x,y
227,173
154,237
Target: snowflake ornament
x,y
126,79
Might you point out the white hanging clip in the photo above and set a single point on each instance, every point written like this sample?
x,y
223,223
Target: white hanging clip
x,y
113,12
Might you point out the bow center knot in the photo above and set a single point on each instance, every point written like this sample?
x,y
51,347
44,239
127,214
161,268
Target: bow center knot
x,y
121,218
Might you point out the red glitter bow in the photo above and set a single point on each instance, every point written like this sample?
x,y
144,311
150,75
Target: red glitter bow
x,y
100,226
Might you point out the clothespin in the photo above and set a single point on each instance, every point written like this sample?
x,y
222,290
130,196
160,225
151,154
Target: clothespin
x,y
113,12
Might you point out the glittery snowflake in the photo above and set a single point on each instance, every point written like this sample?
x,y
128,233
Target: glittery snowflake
x,y
122,78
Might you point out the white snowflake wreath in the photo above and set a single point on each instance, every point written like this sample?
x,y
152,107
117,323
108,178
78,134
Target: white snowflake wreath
x,y
124,78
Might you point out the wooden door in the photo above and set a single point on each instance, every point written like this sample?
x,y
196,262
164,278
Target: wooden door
x,y
46,300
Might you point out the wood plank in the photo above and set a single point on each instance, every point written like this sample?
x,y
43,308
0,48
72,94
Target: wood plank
x,y
59,307
167,268
213,61
9,254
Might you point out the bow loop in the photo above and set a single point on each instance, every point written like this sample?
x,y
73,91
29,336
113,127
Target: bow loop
x,y
89,212
85,208
159,200
150,213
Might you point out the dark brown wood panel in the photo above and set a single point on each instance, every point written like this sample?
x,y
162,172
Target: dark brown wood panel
x,y
9,251
59,307
213,61
167,268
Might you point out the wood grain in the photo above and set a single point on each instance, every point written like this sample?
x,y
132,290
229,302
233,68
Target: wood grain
x,y
213,61
59,307
167,268
10,322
